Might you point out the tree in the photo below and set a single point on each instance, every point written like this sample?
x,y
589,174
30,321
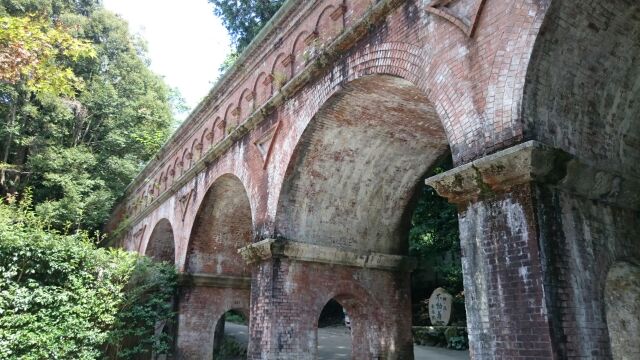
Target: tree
x,y
79,144
31,51
434,233
244,18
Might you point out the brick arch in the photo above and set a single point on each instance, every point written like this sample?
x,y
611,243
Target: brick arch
x,y
176,169
222,225
205,139
261,89
196,151
298,52
162,183
328,26
281,70
218,130
581,91
230,118
366,317
246,103
356,164
185,160
160,245
168,176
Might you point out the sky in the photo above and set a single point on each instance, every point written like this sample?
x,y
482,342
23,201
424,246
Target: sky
x,y
186,42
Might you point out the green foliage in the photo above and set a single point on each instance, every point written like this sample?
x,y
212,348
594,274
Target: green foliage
x,y
34,51
244,19
147,307
230,349
61,297
235,317
435,232
458,343
228,62
79,146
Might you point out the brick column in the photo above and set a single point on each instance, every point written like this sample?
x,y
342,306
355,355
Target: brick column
x,y
204,298
295,280
524,297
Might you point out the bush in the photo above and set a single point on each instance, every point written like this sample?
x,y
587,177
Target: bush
x,y
62,297
231,349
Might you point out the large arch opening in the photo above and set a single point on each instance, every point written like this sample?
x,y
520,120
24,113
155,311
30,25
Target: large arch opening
x,y
223,225
581,95
583,83
622,302
161,244
355,169
161,248
219,277
353,183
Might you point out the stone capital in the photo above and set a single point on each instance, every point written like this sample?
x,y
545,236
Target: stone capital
x,y
212,280
273,248
534,162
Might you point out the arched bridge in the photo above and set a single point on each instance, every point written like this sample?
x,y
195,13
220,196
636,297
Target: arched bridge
x,y
290,184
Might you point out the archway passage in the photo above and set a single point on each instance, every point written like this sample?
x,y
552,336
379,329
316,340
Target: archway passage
x,y
161,245
223,225
348,190
334,340
356,166
231,336
622,301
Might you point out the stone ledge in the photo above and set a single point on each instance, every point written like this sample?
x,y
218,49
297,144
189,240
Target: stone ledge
x,y
211,280
535,162
270,248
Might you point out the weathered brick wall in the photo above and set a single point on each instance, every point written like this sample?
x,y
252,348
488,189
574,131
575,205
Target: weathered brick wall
x,y
581,240
582,85
200,309
622,303
340,107
502,273
288,297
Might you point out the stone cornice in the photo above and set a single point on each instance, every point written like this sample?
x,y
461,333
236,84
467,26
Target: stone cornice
x,y
535,162
270,248
211,280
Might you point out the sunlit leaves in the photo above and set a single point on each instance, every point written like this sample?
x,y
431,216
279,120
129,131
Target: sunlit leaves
x,y
33,51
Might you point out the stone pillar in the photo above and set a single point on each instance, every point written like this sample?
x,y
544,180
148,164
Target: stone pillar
x,y
295,280
204,298
533,288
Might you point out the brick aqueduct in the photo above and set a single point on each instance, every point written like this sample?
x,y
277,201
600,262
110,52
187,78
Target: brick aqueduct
x,y
290,184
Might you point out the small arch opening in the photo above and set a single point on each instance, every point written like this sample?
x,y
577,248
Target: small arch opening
x,y
334,337
231,336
